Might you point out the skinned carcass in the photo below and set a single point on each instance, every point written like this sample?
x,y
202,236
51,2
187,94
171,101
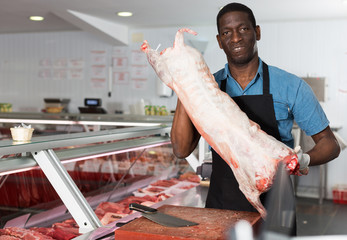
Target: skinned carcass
x,y
252,154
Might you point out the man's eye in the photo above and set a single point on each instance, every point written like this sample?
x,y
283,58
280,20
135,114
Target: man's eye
x,y
244,29
225,33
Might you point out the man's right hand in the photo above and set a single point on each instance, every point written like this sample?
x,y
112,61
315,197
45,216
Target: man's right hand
x,y
303,159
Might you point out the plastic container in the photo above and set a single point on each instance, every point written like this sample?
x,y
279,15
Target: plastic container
x,y
340,194
54,109
5,107
21,134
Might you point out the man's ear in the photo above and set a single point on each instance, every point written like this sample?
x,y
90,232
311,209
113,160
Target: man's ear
x,y
257,32
218,40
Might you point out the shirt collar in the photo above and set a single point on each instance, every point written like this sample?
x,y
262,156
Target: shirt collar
x,y
259,74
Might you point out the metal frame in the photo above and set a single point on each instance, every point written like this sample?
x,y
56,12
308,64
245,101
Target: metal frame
x,y
67,190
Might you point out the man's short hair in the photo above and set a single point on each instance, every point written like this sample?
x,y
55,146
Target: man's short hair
x,y
233,7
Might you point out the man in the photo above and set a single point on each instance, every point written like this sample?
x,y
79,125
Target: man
x,y
269,96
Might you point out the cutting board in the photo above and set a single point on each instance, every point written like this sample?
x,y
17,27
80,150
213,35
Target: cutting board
x,y
213,224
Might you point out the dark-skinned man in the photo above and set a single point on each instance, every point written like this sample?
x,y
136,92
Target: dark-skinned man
x,y
270,96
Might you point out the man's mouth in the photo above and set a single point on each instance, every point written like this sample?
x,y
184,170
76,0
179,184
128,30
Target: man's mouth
x,y
237,49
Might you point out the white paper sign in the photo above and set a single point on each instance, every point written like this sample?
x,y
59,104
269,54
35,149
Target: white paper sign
x,y
120,62
98,57
138,58
139,72
121,78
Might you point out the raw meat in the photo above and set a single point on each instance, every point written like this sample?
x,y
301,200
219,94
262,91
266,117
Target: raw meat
x,y
106,207
111,217
165,182
151,190
68,226
107,212
190,176
56,233
22,233
252,154
188,187
7,237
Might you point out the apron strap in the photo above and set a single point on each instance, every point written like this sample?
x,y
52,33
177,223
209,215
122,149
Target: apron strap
x,y
223,85
266,79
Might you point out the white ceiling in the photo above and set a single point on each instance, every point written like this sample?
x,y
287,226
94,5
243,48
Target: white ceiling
x,y
155,13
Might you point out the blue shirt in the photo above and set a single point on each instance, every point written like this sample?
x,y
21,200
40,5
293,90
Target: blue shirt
x,y
293,100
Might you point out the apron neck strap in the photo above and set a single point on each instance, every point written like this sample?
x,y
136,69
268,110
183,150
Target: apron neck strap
x,y
266,80
223,85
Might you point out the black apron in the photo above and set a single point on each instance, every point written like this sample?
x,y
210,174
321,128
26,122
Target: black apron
x,y
224,192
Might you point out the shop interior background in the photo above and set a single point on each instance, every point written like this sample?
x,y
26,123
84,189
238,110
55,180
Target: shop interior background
x,y
75,64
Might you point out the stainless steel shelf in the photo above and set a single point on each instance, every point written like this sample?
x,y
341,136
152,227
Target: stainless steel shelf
x,y
84,119
65,140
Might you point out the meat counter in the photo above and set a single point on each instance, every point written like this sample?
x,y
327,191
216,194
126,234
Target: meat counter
x,y
68,182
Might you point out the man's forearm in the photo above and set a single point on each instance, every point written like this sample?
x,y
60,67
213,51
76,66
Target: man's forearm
x,y
326,149
184,136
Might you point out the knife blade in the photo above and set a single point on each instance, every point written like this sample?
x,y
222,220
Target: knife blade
x,y
160,218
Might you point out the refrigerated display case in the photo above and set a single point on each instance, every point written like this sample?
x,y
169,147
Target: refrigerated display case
x,y
68,181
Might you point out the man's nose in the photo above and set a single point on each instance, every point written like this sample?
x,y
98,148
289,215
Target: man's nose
x,y
236,36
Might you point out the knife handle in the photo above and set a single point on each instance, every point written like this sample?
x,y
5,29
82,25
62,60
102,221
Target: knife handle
x,y
141,208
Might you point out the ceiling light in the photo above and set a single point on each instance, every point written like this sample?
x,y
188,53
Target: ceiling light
x,y
36,18
124,14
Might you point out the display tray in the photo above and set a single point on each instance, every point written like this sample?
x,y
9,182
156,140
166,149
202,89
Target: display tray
x,y
213,224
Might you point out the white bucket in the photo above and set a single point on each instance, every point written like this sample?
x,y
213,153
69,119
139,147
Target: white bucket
x,y
21,134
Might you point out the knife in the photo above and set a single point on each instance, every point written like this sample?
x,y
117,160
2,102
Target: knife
x,y
160,218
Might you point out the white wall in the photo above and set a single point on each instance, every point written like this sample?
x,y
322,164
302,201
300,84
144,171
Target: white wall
x,y
20,56
313,48
316,48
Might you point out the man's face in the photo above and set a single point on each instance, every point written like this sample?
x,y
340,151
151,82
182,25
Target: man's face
x,y
238,38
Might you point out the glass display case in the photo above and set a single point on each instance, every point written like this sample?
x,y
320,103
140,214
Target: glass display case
x,y
65,185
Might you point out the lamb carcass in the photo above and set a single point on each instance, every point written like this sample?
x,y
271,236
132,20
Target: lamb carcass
x,y
252,154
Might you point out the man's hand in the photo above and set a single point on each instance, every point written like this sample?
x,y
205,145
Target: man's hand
x,y
303,159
